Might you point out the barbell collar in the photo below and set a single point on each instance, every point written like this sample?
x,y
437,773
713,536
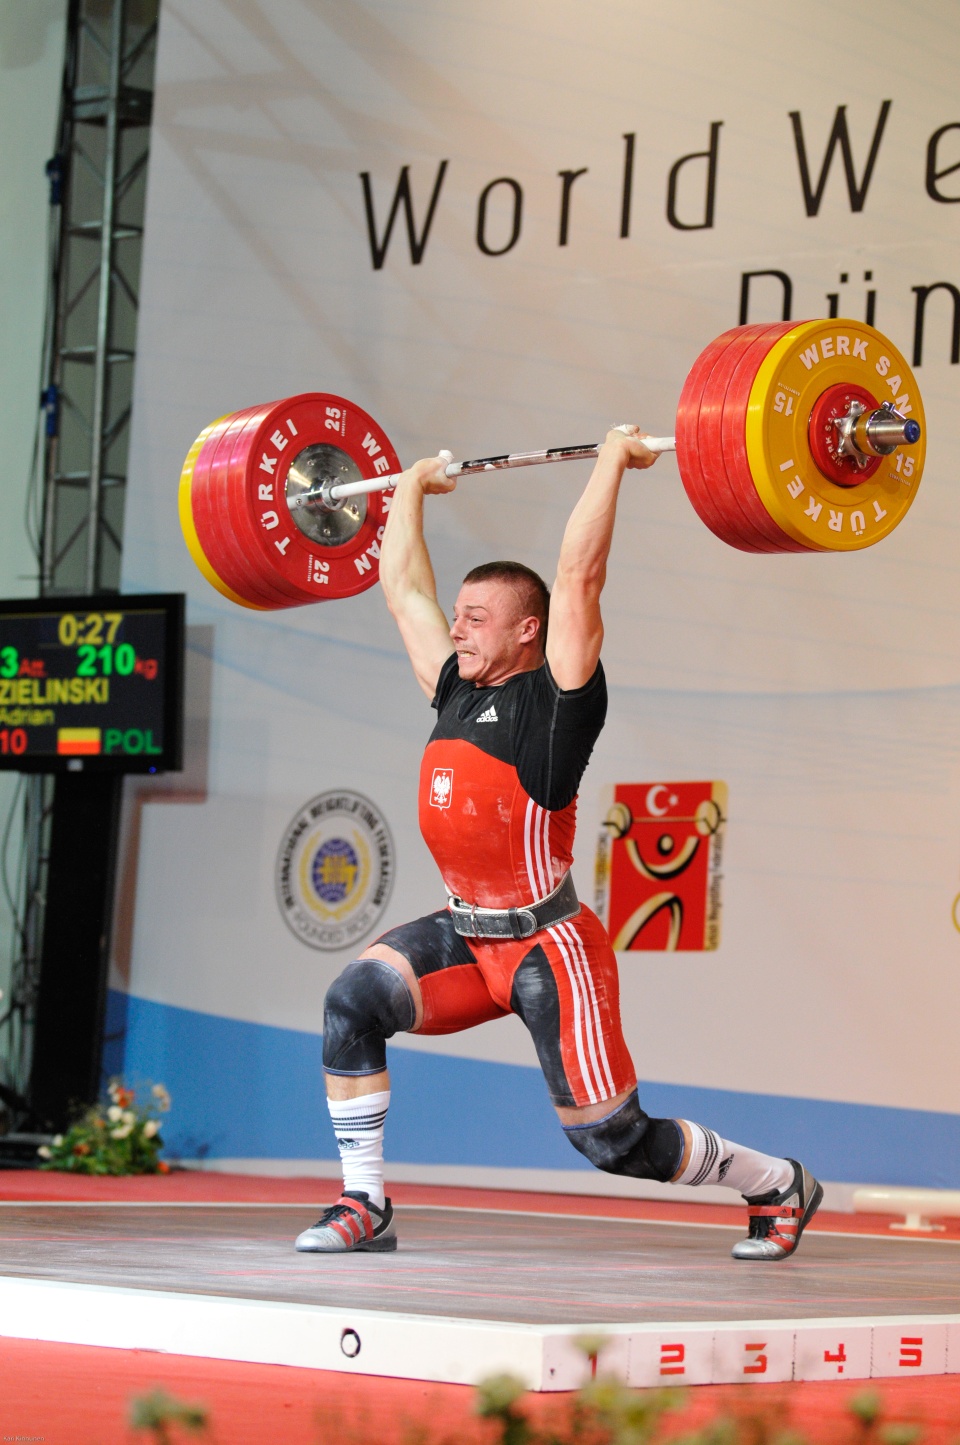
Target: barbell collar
x,y
885,430
863,434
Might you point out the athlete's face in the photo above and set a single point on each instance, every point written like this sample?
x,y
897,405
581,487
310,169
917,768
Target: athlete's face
x,y
492,637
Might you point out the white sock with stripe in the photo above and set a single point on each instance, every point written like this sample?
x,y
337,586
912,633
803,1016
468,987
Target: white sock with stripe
x,y
358,1125
717,1161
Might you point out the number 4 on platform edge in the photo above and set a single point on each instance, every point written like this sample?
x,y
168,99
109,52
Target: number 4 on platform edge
x,y
832,1354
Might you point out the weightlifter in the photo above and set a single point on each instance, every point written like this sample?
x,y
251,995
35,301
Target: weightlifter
x,y
519,709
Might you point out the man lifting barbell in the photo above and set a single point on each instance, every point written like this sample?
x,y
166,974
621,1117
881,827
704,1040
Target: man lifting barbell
x,y
796,437
519,706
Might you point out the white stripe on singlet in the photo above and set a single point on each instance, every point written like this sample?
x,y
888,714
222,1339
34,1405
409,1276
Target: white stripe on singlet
x,y
536,847
587,1024
580,951
538,851
528,823
545,837
591,1020
578,1018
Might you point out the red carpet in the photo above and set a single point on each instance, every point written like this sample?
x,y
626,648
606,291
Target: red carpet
x,y
198,1186
75,1395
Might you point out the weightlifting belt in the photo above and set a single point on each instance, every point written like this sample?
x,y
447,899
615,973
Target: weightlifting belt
x,y
470,921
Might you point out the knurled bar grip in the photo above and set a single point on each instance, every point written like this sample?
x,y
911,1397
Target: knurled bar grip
x,y
494,464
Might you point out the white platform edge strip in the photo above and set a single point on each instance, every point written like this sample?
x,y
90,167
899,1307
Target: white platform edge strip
x,y
918,1206
445,1350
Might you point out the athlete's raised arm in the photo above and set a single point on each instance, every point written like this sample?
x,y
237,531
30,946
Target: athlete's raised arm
x,y
575,634
406,573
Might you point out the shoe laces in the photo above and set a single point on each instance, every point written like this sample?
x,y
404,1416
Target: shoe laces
x,y
763,1225
338,1210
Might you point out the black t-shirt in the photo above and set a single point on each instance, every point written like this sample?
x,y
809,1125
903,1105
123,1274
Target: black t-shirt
x,y
528,722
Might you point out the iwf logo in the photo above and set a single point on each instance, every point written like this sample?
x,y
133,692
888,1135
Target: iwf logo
x,y
658,869
335,870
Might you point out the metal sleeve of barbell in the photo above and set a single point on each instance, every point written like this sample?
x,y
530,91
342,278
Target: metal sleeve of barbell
x,y
495,464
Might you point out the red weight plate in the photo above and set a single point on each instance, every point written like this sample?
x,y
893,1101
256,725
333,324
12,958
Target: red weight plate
x,y
741,489
688,412
829,405
251,537
733,440
221,543
711,444
235,576
260,468
734,443
199,511
688,457
236,497
230,501
229,515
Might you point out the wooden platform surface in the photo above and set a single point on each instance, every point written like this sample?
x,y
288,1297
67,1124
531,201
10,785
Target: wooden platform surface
x,y
480,1264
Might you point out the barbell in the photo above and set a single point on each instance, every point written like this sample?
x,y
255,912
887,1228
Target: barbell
x,y
790,437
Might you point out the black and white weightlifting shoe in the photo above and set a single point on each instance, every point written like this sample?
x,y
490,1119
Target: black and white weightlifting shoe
x,y
353,1223
778,1220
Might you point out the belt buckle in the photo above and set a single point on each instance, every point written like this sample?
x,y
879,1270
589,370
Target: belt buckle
x,y
526,923
462,914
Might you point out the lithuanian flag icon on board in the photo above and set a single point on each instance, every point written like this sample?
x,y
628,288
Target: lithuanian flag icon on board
x,y
74,742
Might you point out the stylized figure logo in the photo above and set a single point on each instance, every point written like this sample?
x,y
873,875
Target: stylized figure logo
x,y
659,858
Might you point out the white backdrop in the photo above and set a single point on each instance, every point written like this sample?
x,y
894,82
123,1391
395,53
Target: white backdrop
x,y
824,690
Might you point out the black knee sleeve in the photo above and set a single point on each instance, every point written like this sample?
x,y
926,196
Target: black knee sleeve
x,y
629,1142
364,1007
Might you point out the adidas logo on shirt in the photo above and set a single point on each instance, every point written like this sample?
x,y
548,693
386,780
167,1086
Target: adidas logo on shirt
x,y
489,716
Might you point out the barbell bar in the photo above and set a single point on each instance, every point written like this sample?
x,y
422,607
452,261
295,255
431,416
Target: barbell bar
x,y
328,494
791,437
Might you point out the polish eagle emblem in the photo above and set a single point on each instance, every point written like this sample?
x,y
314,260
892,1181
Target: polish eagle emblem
x,y
441,787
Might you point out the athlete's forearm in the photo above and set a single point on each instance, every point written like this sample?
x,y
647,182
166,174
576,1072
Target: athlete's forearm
x,y
589,531
405,566
406,573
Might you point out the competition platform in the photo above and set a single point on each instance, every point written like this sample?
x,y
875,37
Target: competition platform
x,y
483,1281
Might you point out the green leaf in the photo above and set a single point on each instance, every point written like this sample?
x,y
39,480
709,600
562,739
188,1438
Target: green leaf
x,y
158,1410
866,1407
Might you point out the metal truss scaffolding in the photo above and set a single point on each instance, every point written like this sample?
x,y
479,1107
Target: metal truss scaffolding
x,y
98,180
75,509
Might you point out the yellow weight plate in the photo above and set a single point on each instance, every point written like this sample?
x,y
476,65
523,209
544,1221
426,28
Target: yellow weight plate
x,y
799,368
189,529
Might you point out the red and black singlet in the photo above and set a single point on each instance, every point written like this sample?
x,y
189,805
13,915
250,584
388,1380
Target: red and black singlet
x,y
499,780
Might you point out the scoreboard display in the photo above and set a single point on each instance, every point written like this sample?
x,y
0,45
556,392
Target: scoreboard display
x,y
92,684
